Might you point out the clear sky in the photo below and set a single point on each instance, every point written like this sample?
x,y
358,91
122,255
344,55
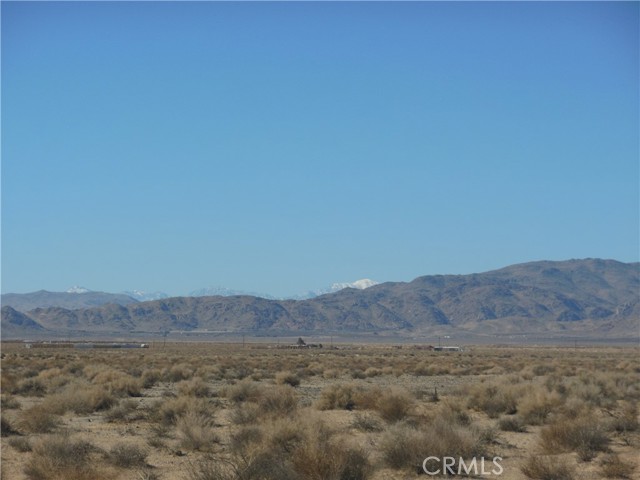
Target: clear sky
x,y
281,147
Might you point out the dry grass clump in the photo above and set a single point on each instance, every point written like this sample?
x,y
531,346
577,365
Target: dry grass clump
x,y
245,413
337,396
196,432
119,383
21,444
454,411
325,458
196,387
279,450
331,373
512,423
612,466
171,409
542,467
280,400
404,446
6,427
268,401
627,419
60,457
150,377
127,455
427,369
365,422
38,419
492,399
54,378
9,402
372,372
401,447
306,449
178,372
287,378
30,387
583,435
394,404
245,390
535,407
79,399
125,411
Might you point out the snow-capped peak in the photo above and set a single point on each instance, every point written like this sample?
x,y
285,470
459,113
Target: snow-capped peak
x,y
77,289
143,296
358,284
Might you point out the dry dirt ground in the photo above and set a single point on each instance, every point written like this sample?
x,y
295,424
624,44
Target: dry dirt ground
x,y
566,379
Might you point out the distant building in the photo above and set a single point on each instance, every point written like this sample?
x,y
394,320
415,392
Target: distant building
x,y
447,349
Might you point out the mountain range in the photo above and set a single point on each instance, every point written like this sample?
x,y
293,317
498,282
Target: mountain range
x,y
81,297
587,298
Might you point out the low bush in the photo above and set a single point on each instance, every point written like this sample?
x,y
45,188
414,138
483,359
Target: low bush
x,y
30,387
287,378
127,455
243,391
150,377
60,457
21,444
178,372
536,407
171,409
280,400
9,402
453,411
196,432
512,423
7,428
38,419
321,456
585,436
245,413
612,466
539,467
367,423
79,399
494,400
337,396
403,446
394,404
123,412
627,419
245,440
196,387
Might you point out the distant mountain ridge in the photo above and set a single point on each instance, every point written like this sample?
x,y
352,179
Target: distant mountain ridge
x,y
589,297
76,297
81,297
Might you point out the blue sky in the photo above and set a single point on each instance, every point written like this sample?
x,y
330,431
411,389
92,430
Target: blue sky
x,y
281,147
